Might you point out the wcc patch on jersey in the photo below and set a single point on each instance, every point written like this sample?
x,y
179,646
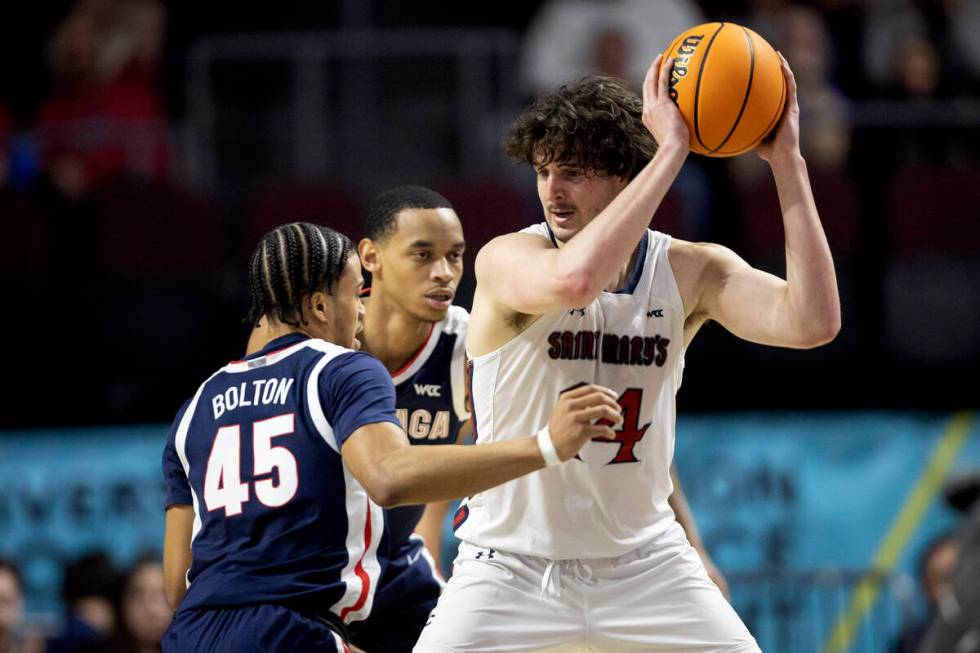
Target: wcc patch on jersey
x,y
430,393
430,400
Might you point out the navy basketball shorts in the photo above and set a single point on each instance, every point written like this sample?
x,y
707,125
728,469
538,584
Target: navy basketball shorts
x,y
407,593
267,628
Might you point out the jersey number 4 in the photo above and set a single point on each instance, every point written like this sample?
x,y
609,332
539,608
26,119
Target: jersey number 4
x,y
631,432
223,487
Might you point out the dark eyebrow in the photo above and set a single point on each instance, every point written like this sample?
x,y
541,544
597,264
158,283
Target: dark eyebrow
x,y
422,244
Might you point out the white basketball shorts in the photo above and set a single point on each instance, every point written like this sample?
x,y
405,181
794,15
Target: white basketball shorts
x,y
655,598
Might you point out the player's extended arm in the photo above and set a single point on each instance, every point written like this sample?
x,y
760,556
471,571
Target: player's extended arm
x,y
525,274
395,473
177,552
804,310
682,511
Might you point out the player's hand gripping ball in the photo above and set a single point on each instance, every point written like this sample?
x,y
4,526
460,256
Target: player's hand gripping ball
x,y
729,86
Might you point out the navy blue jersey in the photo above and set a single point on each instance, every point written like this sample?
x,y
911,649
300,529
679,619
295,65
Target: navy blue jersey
x,y
430,397
278,517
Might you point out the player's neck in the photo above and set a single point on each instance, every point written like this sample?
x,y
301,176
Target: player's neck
x,y
273,331
390,334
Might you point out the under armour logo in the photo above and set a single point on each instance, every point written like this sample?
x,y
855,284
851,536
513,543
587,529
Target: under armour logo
x,y
489,554
577,311
657,312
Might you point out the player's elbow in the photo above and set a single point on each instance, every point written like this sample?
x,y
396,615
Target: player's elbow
x,y
576,288
386,496
175,590
385,488
822,330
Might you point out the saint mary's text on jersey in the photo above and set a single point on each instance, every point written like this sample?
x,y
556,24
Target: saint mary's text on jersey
x,y
608,347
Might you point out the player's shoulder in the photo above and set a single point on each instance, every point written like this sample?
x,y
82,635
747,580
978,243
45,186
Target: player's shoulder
x,y
181,412
535,236
691,255
455,321
701,267
344,362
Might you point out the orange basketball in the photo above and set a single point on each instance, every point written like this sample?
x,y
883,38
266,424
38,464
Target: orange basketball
x,y
729,86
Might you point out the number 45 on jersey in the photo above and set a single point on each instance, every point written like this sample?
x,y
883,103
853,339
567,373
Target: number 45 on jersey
x,y
223,487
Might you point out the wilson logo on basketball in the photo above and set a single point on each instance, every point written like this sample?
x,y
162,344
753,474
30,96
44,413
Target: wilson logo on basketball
x,y
683,55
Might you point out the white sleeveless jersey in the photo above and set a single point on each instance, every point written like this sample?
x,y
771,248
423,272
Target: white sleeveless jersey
x,y
613,497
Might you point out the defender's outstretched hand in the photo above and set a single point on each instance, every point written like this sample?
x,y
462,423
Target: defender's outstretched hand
x,y
660,115
785,138
573,422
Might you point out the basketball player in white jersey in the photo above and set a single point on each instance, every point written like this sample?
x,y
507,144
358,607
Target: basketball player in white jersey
x,y
586,555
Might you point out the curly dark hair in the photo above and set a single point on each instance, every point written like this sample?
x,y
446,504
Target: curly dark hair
x,y
594,123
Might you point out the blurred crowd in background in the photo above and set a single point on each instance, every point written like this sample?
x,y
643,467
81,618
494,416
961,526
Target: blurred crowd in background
x,y
145,147
106,610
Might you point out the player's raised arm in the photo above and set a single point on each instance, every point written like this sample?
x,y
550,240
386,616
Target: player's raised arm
x,y
526,274
804,309
395,473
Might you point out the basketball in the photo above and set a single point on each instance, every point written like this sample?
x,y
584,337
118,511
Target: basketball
x,y
728,83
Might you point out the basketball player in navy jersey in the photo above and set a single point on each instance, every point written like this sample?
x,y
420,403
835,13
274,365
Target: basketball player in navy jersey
x,y
413,248
278,466
587,554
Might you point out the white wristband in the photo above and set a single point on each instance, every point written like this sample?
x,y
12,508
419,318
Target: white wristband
x,y
547,448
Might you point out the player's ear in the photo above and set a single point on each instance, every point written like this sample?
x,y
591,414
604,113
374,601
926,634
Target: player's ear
x,y
320,306
367,251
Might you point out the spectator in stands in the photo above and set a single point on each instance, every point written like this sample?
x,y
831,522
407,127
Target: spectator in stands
x,y
104,117
13,638
800,34
89,591
935,567
923,45
955,626
920,75
142,611
825,136
918,69
568,39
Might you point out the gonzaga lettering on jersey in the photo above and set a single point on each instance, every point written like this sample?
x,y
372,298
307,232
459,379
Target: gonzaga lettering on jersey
x,y
256,451
430,396
612,498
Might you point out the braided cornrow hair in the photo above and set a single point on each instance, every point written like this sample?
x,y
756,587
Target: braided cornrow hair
x,y
291,262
